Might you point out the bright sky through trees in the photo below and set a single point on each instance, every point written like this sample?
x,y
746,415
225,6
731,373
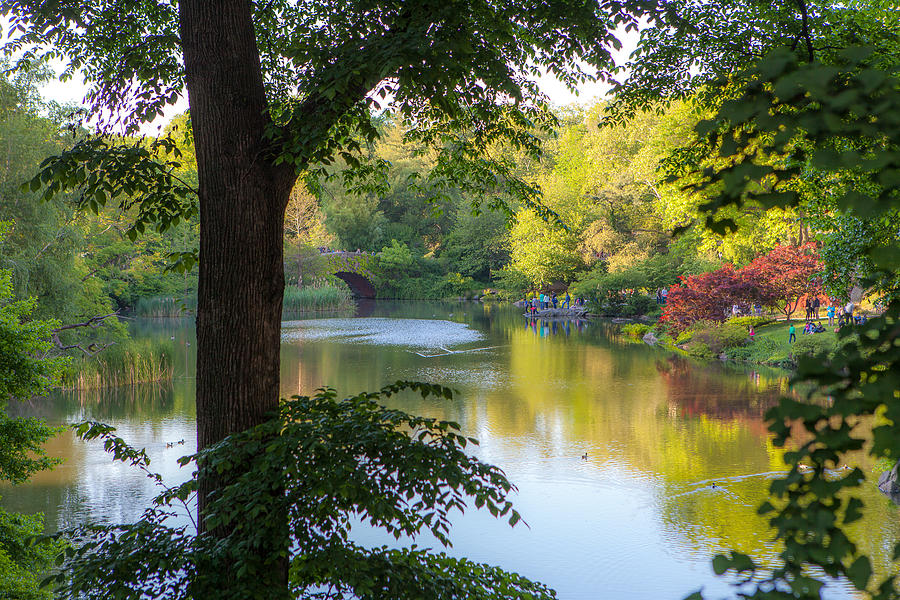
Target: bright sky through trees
x,y
73,91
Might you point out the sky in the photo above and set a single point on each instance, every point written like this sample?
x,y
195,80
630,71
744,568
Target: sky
x,y
73,91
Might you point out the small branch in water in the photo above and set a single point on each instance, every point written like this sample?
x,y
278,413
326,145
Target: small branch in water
x,y
446,351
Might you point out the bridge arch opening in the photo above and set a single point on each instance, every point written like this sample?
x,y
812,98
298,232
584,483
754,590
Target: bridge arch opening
x,y
359,285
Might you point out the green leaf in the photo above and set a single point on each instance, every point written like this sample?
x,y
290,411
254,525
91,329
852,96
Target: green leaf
x,y
860,572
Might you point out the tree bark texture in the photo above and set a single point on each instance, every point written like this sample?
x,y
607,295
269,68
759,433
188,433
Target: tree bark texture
x,y
242,202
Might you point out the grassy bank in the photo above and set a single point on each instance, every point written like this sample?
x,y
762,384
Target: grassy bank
x,y
317,298
770,345
125,363
731,340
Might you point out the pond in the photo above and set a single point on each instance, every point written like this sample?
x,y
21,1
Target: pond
x,y
678,456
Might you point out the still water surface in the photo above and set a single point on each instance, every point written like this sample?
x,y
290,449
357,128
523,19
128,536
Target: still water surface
x,y
640,518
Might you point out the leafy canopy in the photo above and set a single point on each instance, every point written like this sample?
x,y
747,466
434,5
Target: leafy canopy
x,y
460,75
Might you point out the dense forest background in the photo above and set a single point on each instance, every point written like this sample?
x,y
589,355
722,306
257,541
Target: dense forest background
x,y
615,195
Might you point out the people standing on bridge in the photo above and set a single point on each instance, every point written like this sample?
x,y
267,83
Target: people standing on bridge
x,y
554,300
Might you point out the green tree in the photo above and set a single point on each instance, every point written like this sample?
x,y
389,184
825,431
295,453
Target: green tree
x,y
26,369
806,100
280,87
303,229
396,259
43,248
476,244
543,251
356,221
840,117
719,40
417,216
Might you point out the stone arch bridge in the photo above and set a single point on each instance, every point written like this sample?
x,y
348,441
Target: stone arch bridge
x,y
355,269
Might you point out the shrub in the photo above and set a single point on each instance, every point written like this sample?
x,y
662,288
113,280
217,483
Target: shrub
x,y
740,353
511,282
25,557
636,330
639,305
318,464
761,350
684,337
814,345
699,349
719,338
455,284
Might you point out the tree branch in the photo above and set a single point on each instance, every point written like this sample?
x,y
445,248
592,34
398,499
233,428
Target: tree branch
x,y
91,349
805,21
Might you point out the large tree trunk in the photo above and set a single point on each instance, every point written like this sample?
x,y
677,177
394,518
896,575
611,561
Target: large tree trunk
x,y
242,202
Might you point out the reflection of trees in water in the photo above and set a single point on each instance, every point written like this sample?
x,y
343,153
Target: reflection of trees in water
x,y
146,399
710,390
709,401
719,437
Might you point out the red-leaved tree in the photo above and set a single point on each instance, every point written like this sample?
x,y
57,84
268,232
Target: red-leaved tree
x,y
790,272
710,296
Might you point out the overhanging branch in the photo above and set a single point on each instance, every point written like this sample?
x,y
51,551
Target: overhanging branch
x,y
91,349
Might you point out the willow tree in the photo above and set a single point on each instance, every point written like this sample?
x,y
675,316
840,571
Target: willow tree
x,y
281,87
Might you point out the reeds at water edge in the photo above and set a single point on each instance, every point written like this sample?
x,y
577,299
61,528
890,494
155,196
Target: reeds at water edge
x,y
317,298
126,363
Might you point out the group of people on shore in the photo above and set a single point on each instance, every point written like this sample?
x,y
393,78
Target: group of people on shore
x,y
542,301
838,316
808,328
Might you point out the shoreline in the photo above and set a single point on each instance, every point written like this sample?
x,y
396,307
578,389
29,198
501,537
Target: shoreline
x,y
769,347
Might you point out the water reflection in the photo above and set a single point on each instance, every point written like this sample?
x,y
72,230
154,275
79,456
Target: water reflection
x,y
677,452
